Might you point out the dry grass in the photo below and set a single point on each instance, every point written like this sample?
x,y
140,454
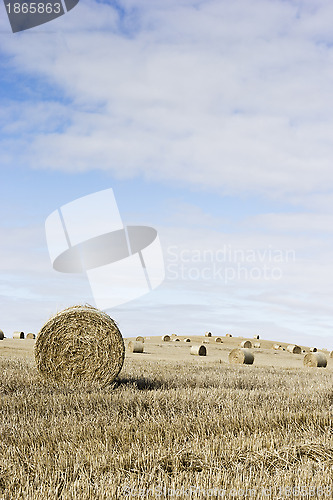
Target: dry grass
x,y
166,425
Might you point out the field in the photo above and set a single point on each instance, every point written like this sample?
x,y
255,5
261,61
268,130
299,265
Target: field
x,y
172,426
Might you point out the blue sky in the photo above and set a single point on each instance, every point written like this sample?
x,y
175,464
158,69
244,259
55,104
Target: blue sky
x,y
211,121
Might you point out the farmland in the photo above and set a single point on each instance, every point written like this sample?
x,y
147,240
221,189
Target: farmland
x,y
172,426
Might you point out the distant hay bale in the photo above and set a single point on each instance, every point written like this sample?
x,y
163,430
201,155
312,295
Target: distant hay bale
x,y
241,357
187,339
18,335
246,344
313,349
294,349
140,339
80,343
276,347
315,359
135,346
256,337
174,335
331,355
198,350
175,339
228,335
208,334
31,336
218,340
256,345
2,335
166,338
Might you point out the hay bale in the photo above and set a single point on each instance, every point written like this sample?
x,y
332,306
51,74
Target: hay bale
x,y
228,335
331,355
294,349
18,335
208,334
198,350
241,357
246,344
187,340
166,338
256,345
257,337
135,346
313,349
173,335
176,339
218,340
140,339
315,359
2,335
31,336
276,347
205,341
80,343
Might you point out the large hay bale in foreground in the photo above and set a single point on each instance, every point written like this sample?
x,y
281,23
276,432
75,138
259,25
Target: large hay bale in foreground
x,y
2,335
246,344
198,350
140,339
241,357
315,359
18,335
80,343
135,346
294,349
166,338
31,336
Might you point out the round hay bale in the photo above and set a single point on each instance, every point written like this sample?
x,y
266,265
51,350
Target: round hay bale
x,y
176,339
294,349
208,334
135,346
187,340
257,337
218,340
315,359
276,347
246,344
331,355
313,349
166,338
140,339
2,335
198,350
256,345
174,335
31,336
80,343
228,335
18,335
241,357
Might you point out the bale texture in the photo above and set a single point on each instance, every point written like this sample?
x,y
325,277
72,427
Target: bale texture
x,y
208,334
135,346
2,335
140,339
294,349
31,336
166,338
198,350
256,345
80,343
241,357
18,335
187,340
315,359
246,344
313,349
218,340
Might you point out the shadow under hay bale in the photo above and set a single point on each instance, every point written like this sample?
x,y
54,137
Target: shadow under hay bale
x,y
18,335
198,350
294,349
187,340
31,336
246,344
208,334
241,357
140,339
135,346
218,340
166,338
80,343
2,335
315,359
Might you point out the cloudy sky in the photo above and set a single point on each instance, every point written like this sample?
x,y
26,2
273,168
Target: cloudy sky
x,y
212,121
